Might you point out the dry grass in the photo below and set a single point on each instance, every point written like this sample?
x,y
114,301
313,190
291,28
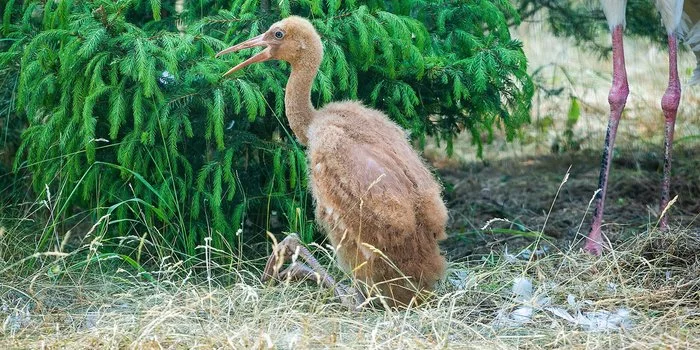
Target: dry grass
x,y
643,294
652,282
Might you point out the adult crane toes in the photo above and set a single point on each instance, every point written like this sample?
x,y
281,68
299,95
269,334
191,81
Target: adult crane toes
x,y
593,248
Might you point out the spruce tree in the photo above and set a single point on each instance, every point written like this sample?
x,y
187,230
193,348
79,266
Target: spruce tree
x,y
128,114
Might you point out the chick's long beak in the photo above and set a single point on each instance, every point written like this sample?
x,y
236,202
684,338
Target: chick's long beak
x,y
261,56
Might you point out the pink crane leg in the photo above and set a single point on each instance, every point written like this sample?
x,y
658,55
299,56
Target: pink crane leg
x,y
669,104
617,99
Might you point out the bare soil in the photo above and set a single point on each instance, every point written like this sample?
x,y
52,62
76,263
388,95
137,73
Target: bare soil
x,y
522,190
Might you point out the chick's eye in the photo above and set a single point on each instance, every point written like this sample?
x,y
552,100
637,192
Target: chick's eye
x,y
279,34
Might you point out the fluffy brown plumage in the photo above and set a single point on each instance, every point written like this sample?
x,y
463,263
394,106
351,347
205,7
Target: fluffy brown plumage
x,y
375,198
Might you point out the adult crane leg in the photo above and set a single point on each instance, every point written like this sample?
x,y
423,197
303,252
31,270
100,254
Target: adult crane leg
x,y
617,99
310,269
669,104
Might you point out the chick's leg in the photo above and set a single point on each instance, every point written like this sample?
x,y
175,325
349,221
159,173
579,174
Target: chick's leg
x,y
310,269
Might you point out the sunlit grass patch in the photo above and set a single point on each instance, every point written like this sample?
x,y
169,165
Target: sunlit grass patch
x,y
643,293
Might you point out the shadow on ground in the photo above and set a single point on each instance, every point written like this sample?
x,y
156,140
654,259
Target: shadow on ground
x,y
523,190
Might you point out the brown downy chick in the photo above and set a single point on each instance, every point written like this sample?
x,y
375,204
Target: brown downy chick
x,y
375,197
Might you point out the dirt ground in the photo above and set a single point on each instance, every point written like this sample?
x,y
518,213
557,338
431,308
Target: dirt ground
x,y
523,191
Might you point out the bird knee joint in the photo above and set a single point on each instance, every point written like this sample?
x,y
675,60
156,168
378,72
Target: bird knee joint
x,y
618,96
671,100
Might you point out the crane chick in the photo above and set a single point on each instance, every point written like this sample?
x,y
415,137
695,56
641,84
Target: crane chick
x,y
375,198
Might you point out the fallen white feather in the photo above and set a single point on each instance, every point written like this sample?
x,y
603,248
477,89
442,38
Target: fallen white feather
x,y
522,289
527,305
459,279
596,321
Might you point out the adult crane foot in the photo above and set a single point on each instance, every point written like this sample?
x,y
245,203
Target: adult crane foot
x,y
291,248
593,248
